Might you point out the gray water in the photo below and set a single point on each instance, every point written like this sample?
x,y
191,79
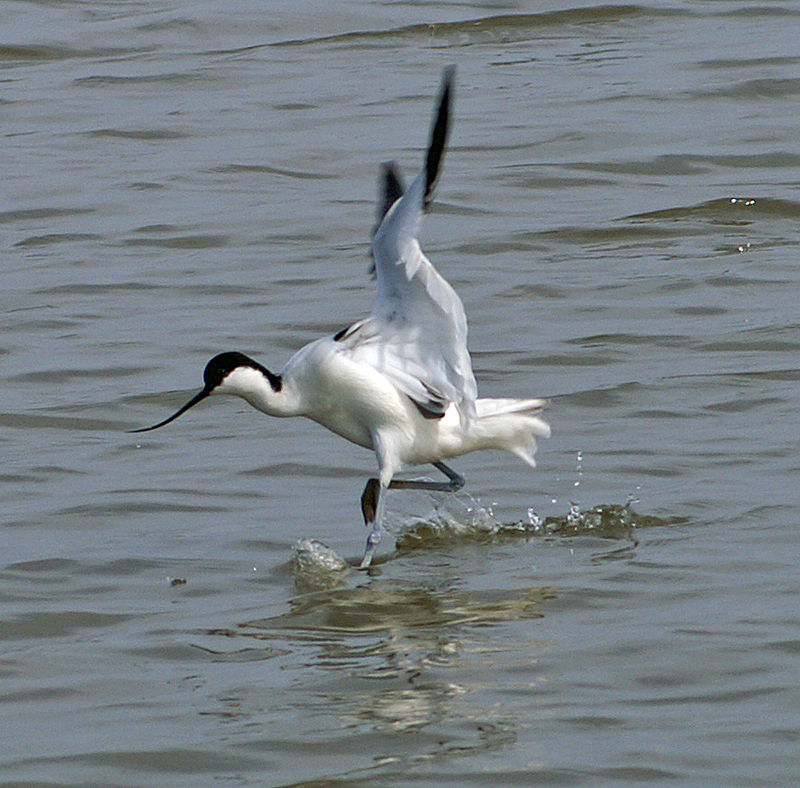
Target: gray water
x,y
619,212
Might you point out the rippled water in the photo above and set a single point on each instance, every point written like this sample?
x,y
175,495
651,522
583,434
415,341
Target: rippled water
x,y
619,212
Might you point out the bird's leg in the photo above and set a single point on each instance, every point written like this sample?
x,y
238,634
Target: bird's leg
x,y
372,500
456,481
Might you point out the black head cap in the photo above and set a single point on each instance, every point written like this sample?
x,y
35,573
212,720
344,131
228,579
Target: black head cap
x,y
215,372
223,364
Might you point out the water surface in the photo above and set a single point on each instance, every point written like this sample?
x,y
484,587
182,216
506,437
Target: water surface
x,y
619,212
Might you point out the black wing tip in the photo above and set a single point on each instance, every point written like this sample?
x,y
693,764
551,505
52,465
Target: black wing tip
x,y
439,133
391,188
391,175
448,75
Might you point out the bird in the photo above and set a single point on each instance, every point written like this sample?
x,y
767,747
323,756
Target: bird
x,y
398,382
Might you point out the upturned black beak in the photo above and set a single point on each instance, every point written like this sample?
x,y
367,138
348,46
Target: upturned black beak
x,y
190,404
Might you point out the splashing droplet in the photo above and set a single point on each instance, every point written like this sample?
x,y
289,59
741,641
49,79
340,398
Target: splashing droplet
x,y
578,468
534,520
574,514
633,497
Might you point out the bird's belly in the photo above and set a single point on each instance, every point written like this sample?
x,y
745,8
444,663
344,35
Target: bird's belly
x,y
355,402
343,424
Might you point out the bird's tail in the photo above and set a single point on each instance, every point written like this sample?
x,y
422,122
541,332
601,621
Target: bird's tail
x,y
510,424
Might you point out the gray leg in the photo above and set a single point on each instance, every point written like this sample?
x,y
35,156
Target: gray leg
x,y
370,505
456,481
371,501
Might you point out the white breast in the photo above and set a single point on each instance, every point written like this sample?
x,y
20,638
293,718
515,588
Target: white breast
x,y
349,398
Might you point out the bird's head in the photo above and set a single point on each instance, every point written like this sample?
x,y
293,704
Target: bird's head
x,y
227,373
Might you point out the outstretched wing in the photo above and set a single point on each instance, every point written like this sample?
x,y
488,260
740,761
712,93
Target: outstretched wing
x,y
417,332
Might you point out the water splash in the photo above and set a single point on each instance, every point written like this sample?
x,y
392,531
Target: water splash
x,y
316,566
606,521
534,520
574,514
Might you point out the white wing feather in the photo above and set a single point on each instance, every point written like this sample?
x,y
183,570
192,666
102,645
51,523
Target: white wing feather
x,y
417,332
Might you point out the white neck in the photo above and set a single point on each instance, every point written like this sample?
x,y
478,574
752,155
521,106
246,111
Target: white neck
x,y
253,386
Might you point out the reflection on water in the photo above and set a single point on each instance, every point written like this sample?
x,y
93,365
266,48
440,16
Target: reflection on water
x,y
404,657
376,609
407,668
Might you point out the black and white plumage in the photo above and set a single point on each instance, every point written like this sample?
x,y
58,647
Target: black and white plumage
x,y
400,381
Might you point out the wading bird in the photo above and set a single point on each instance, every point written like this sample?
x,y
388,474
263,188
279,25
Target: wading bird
x,y
398,382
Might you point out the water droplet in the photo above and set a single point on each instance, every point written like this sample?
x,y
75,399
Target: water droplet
x,y
633,497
